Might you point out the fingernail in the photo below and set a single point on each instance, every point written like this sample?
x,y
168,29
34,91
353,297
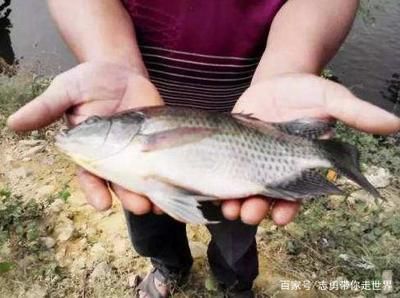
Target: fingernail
x,y
10,119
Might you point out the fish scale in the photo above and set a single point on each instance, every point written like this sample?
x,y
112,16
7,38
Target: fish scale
x,y
178,157
237,158
246,150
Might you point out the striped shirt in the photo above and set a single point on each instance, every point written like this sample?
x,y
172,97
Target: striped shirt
x,y
204,53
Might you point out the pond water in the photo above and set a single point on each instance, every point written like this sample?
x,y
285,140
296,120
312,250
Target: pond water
x,y
368,62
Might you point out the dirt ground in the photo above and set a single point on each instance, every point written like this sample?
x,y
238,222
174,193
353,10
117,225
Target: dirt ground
x,y
53,244
89,253
88,245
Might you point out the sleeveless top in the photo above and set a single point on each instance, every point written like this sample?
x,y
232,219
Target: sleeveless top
x,y
202,54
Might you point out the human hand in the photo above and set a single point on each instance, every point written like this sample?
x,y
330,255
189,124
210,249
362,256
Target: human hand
x,y
292,96
88,89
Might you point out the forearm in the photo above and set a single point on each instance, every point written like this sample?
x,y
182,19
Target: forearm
x,y
98,30
305,35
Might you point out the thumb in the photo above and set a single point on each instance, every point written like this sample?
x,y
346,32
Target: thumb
x,y
341,104
44,109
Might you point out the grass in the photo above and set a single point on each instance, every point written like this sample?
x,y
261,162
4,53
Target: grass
x,y
23,257
17,90
355,242
19,223
331,238
382,151
64,194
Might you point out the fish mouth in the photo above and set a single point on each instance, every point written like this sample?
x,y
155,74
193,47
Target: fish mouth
x,y
64,145
61,140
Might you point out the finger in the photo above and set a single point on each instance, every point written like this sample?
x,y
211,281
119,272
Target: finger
x,y
44,109
131,201
231,209
343,105
157,210
73,120
95,190
254,210
284,212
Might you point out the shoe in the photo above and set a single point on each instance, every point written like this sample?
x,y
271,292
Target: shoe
x,y
146,287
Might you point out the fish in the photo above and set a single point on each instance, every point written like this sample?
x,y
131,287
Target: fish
x,y
180,157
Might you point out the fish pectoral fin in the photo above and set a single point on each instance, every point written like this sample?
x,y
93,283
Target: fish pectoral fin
x,y
181,205
309,184
175,137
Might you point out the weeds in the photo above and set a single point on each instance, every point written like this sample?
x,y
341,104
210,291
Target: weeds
x,y
5,267
353,241
17,90
19,224
64,194
376,150
23,257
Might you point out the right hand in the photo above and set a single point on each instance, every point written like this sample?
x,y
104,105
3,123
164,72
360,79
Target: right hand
x,y
92,88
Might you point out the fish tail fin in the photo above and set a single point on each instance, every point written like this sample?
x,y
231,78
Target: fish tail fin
x,y
345,158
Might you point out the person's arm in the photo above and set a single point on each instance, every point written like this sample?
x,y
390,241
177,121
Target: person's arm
x,y
305,35
98,31
110,78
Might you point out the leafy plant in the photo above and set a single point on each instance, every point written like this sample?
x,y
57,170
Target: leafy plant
x,y
5,267
376,150
357,242
64,194
17,90
19,223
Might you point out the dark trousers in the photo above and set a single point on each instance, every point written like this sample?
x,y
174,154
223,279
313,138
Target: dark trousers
x,y
232,252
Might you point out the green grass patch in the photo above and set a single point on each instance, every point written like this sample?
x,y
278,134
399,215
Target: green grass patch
x,y
352,241
19,224
5,267
64,194
23,256
17,90
382,151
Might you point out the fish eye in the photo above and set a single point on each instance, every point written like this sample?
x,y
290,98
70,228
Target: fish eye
x,y
92,120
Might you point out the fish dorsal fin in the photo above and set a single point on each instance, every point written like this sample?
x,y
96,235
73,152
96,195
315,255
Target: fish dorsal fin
x,y
179,204
309,184
310,128
175,137
255,123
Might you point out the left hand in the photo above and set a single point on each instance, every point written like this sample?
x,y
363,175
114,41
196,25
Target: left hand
x,y
293,96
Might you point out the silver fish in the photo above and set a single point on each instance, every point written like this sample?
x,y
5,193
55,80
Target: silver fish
x,y
178,157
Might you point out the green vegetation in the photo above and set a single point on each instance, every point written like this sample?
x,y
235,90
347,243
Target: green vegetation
x,y
64,194
382,151
331,239
5,267
20,225
23,256
376,150
17,90
334,239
